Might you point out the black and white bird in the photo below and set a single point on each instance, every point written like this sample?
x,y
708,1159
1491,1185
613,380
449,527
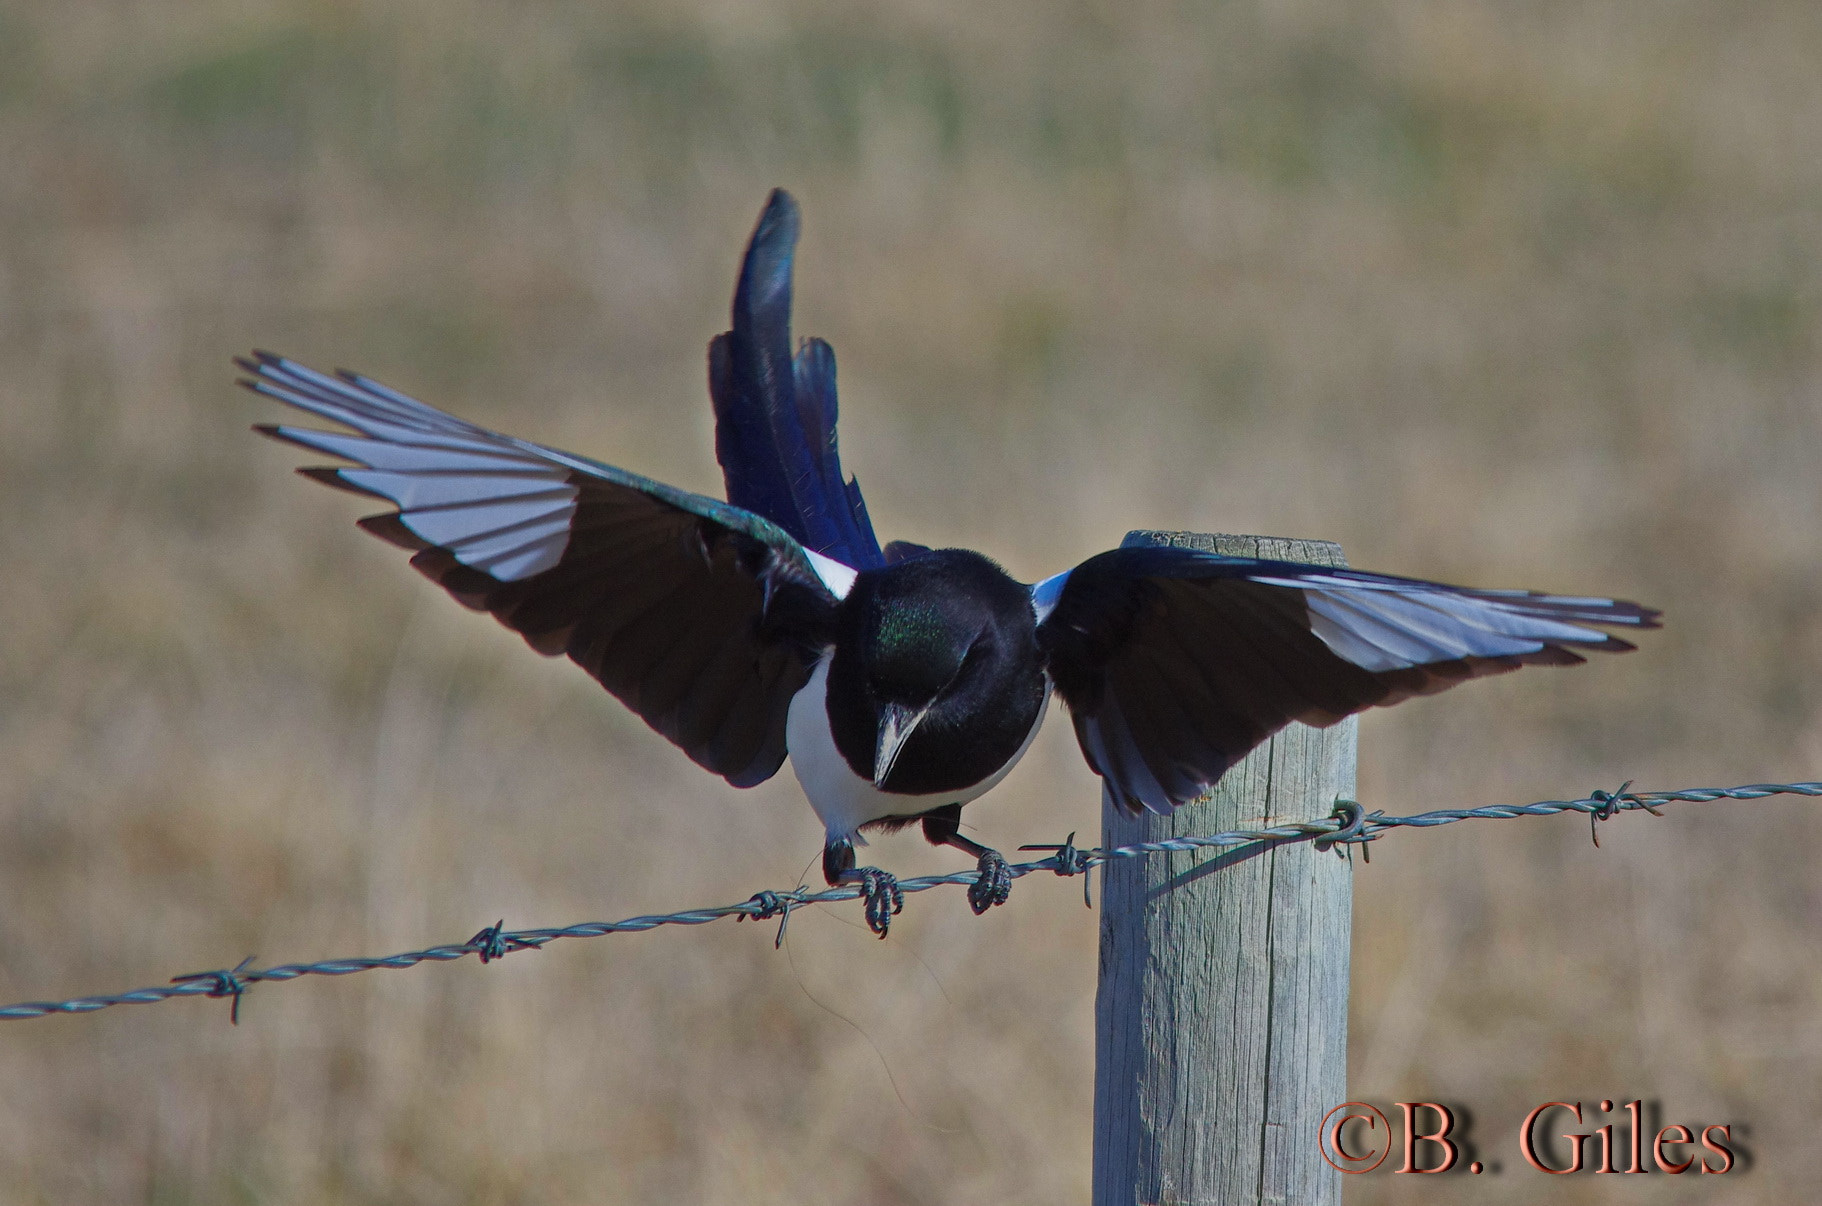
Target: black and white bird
x,y
901,682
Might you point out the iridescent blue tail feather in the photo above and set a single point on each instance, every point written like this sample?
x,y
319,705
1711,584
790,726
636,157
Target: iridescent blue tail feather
x,y
775,413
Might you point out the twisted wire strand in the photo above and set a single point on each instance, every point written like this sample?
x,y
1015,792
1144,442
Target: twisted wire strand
x,y
1348,826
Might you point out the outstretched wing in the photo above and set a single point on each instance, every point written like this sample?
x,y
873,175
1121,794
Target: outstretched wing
x,y
1175,662
775,414
701,617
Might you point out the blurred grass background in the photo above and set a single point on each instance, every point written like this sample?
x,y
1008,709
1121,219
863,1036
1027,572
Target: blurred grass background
x,y
1511,292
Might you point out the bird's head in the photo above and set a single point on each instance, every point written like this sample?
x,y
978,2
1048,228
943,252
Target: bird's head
x,y
915,653
925,643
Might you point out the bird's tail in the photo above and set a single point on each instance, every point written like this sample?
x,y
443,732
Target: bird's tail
x,y
775,413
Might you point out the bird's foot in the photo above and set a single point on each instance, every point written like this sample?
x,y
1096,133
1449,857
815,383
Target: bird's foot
x,y
885,899
994,884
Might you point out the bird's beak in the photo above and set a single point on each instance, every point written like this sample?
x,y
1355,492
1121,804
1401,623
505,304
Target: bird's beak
x,y
895,724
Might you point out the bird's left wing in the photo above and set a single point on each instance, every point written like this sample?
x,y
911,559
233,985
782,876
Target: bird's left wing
x,y
701,617
1176,662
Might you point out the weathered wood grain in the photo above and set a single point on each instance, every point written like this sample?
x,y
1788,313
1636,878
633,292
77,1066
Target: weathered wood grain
x,y
1221,1017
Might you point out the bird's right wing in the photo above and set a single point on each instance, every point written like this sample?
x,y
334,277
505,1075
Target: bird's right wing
x,y
701,617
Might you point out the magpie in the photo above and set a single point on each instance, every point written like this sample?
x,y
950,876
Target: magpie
x,y
904,681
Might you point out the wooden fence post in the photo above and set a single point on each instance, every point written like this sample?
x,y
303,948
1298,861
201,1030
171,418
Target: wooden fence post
x,y
1221,1015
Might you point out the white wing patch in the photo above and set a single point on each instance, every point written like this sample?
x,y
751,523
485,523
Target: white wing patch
x,y
442,456
1045,594
1379,624
498,505
837,577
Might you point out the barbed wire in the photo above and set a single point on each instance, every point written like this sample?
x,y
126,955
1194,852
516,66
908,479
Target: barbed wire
x,y
1349,825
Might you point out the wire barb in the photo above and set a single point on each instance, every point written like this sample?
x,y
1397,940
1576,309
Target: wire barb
x,y
1350,818
769,904
227,983
495,943
1610,807
1349,825
1067,860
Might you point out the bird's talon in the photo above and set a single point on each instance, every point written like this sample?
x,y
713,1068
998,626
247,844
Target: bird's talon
x,y
994,884
884,898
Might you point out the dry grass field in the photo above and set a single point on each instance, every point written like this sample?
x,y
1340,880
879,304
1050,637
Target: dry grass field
x,y
1510,292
